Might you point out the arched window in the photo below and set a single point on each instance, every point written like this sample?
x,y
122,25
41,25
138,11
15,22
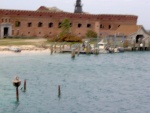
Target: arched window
x,y
79,25
109,27
59,25
88,25
29,24
101,26
70,24
40,24
17,24
50,25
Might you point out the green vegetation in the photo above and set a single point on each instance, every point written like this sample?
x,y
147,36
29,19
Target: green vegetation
x,y
65,28
36,42
91,34
65,35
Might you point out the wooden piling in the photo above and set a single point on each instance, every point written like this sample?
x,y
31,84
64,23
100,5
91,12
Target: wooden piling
x,y
24,85
51,49
59,91
60,48
16,83
55,48
70,46
78,50
73,53
17,94
63,46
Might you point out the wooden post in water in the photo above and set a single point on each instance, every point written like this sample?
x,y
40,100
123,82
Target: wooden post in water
x,y
78,50
55,48
24,85
59,92
87,49
17,94
60,48
16,83
51,49
70,46
73,53
63,46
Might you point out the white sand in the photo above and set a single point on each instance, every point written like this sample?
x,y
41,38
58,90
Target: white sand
x,y
4,50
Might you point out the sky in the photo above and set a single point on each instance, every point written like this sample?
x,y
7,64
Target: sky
x,y
141,8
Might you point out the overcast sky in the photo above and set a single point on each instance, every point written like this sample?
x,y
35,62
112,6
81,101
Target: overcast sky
x,y
141,8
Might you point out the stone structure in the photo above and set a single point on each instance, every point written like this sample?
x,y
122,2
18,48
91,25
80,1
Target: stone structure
x,y
78,7
45,22
42,22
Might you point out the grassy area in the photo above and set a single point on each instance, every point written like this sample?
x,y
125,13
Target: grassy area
x,y
10,42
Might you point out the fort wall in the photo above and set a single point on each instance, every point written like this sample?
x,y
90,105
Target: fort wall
x,y
44,23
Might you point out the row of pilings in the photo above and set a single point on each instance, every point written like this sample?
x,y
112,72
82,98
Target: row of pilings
x,y
17,82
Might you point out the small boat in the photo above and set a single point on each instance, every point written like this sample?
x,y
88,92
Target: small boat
x,y
15,49
102,46
121,49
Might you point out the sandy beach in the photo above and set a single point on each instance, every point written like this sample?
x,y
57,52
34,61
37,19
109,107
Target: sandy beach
x,y
25,49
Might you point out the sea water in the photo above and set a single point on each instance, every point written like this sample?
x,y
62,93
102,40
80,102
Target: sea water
x,y
104,83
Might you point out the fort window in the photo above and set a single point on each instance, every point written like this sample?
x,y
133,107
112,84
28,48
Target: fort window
x,y
5,20
59,25
118,25
9,20
17,24
70,24
79,25
28,32
29,24
50,33
39,32
40,24
101,26
2,20
50,25
109,27
88,25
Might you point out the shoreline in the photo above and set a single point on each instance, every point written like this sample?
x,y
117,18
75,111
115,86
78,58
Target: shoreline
x,y
29,49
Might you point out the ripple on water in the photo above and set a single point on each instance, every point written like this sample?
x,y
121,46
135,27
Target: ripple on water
x,y
108,83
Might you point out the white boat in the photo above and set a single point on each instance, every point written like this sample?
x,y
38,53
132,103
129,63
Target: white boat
x,y
102,46
14,49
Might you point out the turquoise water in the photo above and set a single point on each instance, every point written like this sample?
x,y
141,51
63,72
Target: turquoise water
x,y
107,83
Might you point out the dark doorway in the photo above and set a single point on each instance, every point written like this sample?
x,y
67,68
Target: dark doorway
x,y
139,38
5,32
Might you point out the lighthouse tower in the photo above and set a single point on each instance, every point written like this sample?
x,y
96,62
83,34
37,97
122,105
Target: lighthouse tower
x,y
78,7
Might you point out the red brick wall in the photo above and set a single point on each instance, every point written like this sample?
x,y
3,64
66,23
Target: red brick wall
x,y
46,17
